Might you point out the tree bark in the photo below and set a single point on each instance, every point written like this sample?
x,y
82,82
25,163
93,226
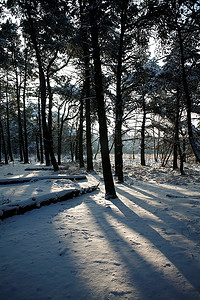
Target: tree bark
x,y
86,54
119,100
3,143
80,134
40,133
8,125
142,145
50,122
24,113
59,137
46,134
21,139
107,173
37,147
176,132
188,99
60,132
0,146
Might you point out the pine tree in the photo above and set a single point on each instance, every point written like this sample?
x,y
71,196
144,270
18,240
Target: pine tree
x,y
107,173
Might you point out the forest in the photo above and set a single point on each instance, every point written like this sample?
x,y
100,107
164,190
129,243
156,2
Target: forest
x,y
81,77
99,149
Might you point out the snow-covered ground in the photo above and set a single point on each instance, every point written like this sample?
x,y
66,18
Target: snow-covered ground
x,y
143,245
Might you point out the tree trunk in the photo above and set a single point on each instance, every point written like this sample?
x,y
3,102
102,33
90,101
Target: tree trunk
x,y
0,146
176,132
166,155
107,173
119,100
72,147
24,113
88,129
50,106
155,152
80,134
46,134
181,153
77,145
21,139
59,138
142,145
40,134
97,151
8,125
86,54
188,99
3,143
37,148
60,132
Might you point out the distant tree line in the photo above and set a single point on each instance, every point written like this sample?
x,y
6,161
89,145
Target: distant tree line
x,y
79,72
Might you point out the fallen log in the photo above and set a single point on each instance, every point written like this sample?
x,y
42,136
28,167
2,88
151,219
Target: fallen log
x,y
39,169
24,180
10,210
45,168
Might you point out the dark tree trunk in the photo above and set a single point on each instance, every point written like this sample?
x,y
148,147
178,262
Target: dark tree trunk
x,y
0,146
142,145
59,138
97,151
40,134
46,134
50,99
37,148
88,129
80,134
175,154
181,153
155,150
165,156
119,100
3,143
107,173
188,99
176,132
60,132
24,113
86,87
76,146
184,150
8,125
72,147
21,139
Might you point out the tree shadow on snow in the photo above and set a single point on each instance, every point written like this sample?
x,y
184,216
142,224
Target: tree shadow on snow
x,y
162,268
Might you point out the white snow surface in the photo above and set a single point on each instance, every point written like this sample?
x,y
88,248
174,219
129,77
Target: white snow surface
x,y
143,245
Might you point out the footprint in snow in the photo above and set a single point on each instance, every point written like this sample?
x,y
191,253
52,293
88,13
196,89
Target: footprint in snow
x,y
62,252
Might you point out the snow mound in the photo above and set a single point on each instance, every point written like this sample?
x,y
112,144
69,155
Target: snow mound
x,y
9,210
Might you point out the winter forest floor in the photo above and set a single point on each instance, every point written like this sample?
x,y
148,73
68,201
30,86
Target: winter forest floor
x,y
143,245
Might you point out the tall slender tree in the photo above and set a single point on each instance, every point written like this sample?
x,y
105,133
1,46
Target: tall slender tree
x,y
179,21
46,133
94,11
119,107
86,84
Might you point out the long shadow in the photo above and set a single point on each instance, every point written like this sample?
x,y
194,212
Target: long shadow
x,y
147,277
62,260
160,212
191,271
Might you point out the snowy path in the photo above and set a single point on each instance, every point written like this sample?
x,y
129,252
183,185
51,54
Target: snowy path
x,y
144,245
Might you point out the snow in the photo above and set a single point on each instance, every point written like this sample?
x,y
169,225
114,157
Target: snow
x,y
143,245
